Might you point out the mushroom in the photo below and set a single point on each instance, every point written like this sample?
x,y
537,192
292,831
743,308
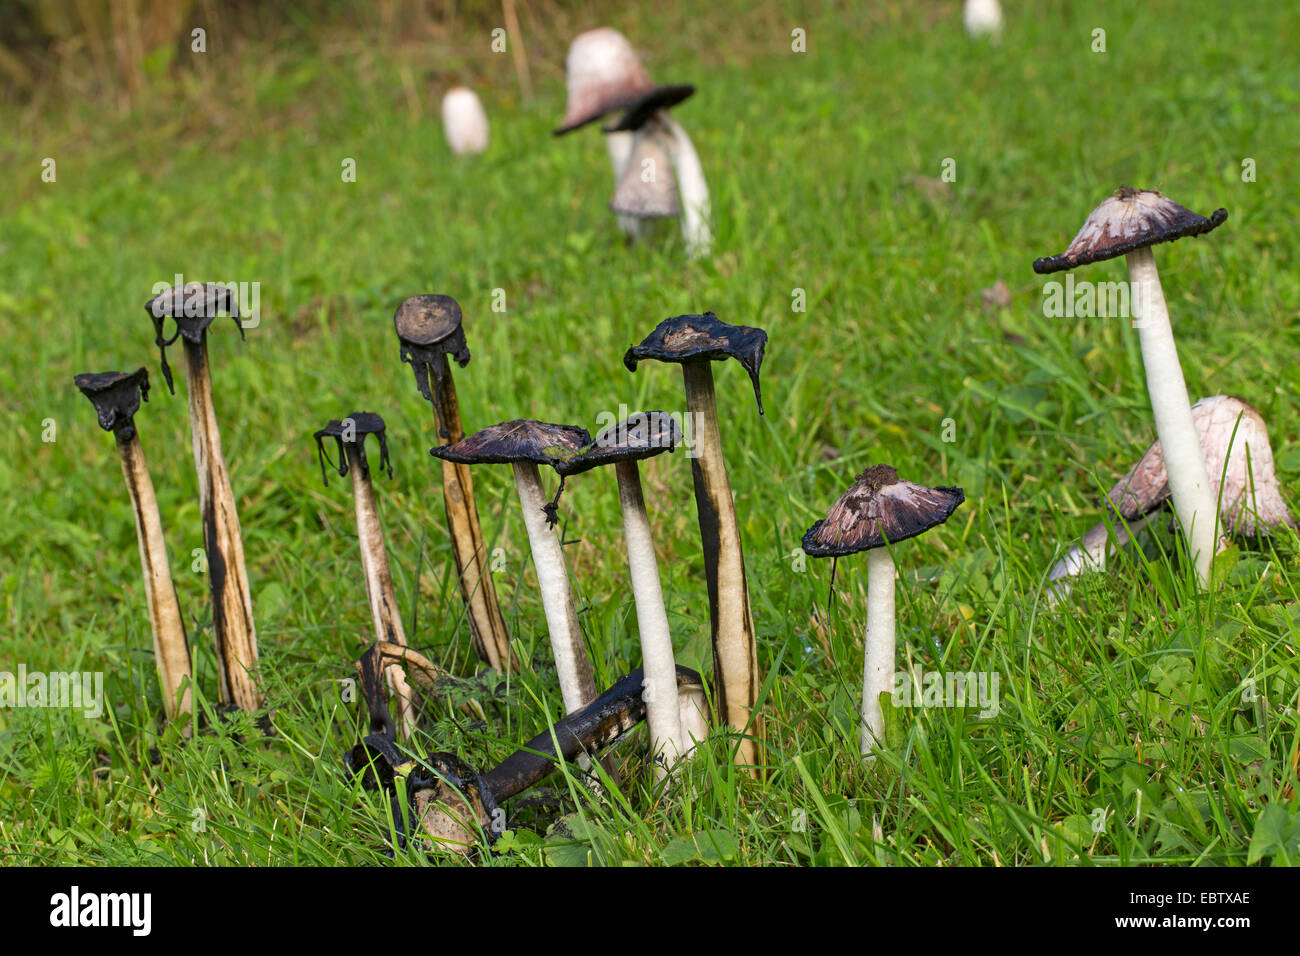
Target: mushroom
x,y
350,435
982,18
525,444
194,306
1128,224
875,514
116,397
658,133
639,436
1239,459
430,328
454,804
695,342
464,122
604,75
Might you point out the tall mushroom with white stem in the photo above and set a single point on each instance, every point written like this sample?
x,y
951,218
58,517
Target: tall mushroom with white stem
x,y
194,306
350,436
623,445
657,132
1128,224
695,342
524,444
464,122
1243,480
430,328
116,397
878,512
605,75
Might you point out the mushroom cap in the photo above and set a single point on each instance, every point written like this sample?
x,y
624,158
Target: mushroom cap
x,y
879,509
640,435
425,321
194,306
644,198
116,397
604,74
464,121
357,425
1252,498
516,441
703,338
660,98
1129,220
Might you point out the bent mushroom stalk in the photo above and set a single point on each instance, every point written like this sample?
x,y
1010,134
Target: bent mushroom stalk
x,y
430,328
350,436
1243,481
623,445
116,397
524,444
695,342
454,804
1128,224
875,514
194,306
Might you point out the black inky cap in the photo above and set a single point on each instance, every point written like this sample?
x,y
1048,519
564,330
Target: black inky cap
x,y
353,431
640,435
520,440
194,306
116,397
660,98
880,508
1129,220
703,338
428,327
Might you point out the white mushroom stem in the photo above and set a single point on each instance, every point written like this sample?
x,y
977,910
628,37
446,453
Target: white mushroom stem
x,y
1090,554
619,147
878,664
232,606
379,584
1189,483
735,652
660,669
692,190
577,685
693,714
171,648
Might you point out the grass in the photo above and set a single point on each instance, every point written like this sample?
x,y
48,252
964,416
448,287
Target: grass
x,y
1146,723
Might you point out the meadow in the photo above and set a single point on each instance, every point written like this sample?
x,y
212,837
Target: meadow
x,y
1145,722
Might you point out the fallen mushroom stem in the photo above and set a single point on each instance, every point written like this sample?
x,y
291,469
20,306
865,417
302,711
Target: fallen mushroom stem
x,y
663,712
878,662
232,606
1189,481
572,665
1090,554
735,655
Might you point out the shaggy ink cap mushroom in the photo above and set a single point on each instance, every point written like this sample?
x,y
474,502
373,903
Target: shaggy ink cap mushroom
x,y
639,436
603,74
1131,219
702,338
523,439
353,430
193,306
880,509
116,397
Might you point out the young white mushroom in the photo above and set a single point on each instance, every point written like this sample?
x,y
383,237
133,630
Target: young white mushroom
x,y
1239,460
875,514
464,122
1128,224
524,444
116,397
983,18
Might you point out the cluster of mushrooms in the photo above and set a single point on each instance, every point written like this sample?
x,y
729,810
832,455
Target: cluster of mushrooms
x,y
1211,459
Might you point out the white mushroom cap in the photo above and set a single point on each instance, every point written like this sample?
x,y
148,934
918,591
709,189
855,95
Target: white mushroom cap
x,y
464,122
982,18
604,74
